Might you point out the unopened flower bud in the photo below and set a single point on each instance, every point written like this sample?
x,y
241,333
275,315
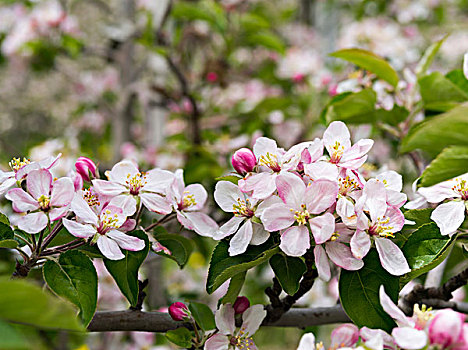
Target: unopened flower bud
x,y
179,311
86,168
241,304
446,328
243,161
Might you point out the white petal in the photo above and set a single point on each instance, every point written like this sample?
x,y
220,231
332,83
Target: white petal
x,y
126,202
322,227
391,257
241,239
259,235
227,194
264,145
79,230
122,171
202,224
277,217
125,241
322,264
392,180
224,318
410,338
295,241
38,183
336,132
158,181
33,223
321,195
199,195
307,342
341,255
393,310
217,342
291,190
22,201
262,185
228,228
252,319
7,184
360,244
154,202
82,210
321,170
108,188
109,248
449,216
62,192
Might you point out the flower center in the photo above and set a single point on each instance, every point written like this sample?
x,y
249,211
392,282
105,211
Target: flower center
x,y
243,208
91,198
271,161
347,185
44,202
381,228
301,216
336,153
108,222
240,341
187,201
423,315
461,189
16,163
334,236
136,182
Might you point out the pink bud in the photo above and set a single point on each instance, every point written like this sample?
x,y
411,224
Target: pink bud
x,y
212,77
179,311
78,182
446,328
241,304
298,78
243,161
86,168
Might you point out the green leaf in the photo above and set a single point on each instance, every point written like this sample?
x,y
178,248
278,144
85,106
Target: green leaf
x,y
235,286
436,133
202,315
4,219
179,246
289,271
24,302
74,278
451,162
267,39
12,339
354,108
6,232
207,11
251,22
181,337
420,216
223,266
359,293
369,61
231,178
125,271
458,78
426,61
425,249
439,93
393,117
8,243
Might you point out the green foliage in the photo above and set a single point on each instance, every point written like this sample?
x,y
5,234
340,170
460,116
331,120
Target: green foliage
x,y
451,162
6,234
232,178
436,133
203,315
74,278
439,93
11,339
180,247
267,39
359,293
393,117
235,286
205,10
289,271
223,266
428,57
26,303
419,216
353,108
125,271
181,337
371,62
425,249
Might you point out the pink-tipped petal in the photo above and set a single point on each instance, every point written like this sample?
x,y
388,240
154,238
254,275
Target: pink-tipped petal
x,y
79,230
291,190
39,182
321,195
341,255
33,223
393,310
322,264
108,188
295,241
262,185
62,192
126,202
322,227
58,213
22,201
391,257
360,244
82,210
125,241
345,335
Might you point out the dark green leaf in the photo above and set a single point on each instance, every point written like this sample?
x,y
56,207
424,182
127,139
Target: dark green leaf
x,y
458,78
369,61
392,117
179,246
354,108
289,271
439,93
223,266
125,271
235,286
436,133
359,293
8,243
74,278
6,232
202,315
451,162
428,57
420,216
23,302
425,249
4,219
231,178
181,337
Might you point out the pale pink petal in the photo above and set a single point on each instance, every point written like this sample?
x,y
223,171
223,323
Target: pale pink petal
x,y
58,213
449,216
277,217
125,241
392,180
321,195
264,145
291,190
115,212
355,156
265,204
154,202
322,264
184,221
7,184
25,170
38,182
122,171
224,318
295,241
22,201
341,255
63,191
336,132
345,335
315,150
79,230
345,210
396,219
322,227
368,334
393,310
109,248
178,185
307,342
202,224
126,202
439,192
217,342
410,338
49,162
241,239
259,235
82,210
395,198
290,160
262,185
391,257
158,181
321,170
128,225
199,195
228,228
446,328
373,199
33,223
109,188
360,244
252,319
227,194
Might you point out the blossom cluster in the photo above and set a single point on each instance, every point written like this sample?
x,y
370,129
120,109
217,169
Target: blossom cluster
x,y
441,329
314,195
102,211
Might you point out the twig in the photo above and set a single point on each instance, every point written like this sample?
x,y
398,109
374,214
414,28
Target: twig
x,y
62,248
52,235
159,222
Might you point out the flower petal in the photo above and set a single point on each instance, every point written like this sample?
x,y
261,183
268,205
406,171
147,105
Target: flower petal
x,y
122,171
82,210
341,255
410,338
79,230
321,195
393,310
202,224
307,342
322,264
125,241
345,335
391,257
291,190
109,248
126,202
158,180
262,185
63,191
199,195
241,239
217,342
109,188
295,241
336,132
39,182
277,217
156,203
321,170
360,244
7,184
252,319
227,194
224,318
322,227
58,213
33,223
228,228
22,201
259,235
449,217
264,145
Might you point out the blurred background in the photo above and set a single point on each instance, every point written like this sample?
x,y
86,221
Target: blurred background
x,y
183,84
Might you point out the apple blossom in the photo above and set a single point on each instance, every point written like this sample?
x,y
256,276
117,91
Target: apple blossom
x,y
179,311
44,200
86,168
447,329
344,336
243,161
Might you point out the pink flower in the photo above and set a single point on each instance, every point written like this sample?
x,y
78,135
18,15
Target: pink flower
x,y
301,205
243,161
104,222
187,201
446,329
241,304
228,335
179,311
46,199
86,168
127,184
